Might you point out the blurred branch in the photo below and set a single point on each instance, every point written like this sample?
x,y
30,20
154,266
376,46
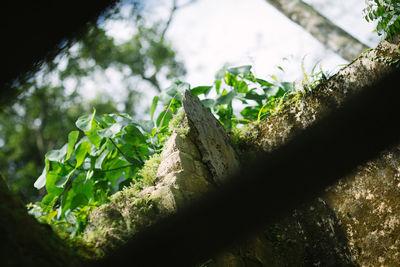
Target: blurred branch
x,y
174,8
324,30
153,80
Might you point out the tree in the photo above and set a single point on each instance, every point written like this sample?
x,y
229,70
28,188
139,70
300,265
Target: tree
x,y
44,109
325,31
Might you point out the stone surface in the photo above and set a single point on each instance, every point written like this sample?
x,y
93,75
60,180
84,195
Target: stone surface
x,y
184,175
354,223
363,208
211,139
181,175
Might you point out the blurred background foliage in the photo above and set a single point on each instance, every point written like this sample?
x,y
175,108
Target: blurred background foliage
x,y
39,120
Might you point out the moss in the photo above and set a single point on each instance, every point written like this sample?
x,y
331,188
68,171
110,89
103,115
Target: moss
x,y
149,170
179,124
113,223
359,224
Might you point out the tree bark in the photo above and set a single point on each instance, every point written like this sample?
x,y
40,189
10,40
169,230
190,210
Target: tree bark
x,y
324,30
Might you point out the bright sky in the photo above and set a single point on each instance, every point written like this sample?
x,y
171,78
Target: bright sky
x,y
210,33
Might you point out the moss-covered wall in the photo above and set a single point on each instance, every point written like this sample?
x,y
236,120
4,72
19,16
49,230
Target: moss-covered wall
x,y
356,222
359,221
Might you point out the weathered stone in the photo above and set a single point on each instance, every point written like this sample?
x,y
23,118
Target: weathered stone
x,y
355,223
211,139
362,210
181,174
182,177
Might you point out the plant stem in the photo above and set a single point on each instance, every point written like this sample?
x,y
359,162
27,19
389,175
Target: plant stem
x,y
120,151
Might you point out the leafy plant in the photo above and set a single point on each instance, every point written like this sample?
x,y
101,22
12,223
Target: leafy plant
x,y
109,151
387,13
257,97
85,171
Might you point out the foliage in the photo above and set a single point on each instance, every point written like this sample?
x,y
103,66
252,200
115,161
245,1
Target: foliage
x,y
109,152
387,13
47,107
37,119
259,98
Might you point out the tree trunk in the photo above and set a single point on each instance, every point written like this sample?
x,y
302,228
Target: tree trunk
x,y
324,30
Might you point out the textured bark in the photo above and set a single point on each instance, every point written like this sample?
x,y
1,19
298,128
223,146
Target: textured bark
x,y
324,30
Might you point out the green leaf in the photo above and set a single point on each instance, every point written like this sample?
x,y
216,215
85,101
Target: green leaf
x,y
163,119
230,79
271,91
72,138
51,178
84,123
108,119
61,181
57,155
93,136
208,103
80,153
100,159
176,91
201,90
254,96
146,125
250,113
154,106
243,87
221,73
287,86
243,70
264,83
133,136
79,200
85,187
225,99
111,131
217,86
182,87
49,200
41,181
89,174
